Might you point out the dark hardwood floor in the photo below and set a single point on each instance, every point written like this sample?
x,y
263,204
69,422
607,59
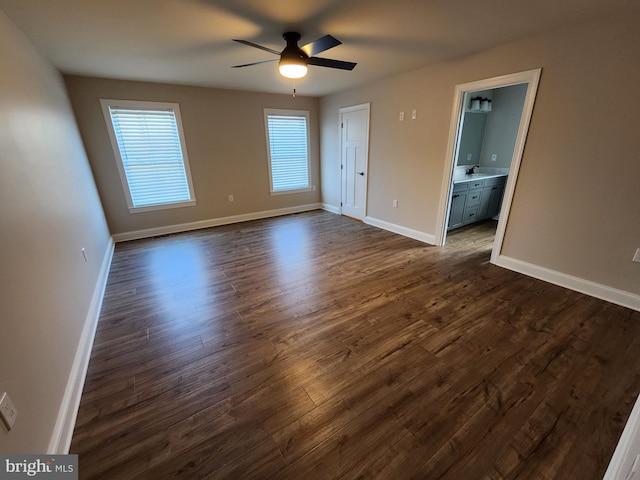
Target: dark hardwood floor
x,y
313,346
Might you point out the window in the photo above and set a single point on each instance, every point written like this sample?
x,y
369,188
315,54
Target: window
x,y
149,147
288,150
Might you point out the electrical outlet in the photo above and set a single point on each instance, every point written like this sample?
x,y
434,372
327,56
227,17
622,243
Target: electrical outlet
x,y
231,198
469,156
401,117
8,412
395,204
494,157
414,114
636,257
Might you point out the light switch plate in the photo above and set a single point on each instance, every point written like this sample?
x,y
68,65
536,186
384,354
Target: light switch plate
x,y
636,257
8,412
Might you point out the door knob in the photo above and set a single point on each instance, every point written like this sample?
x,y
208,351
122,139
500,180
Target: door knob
x,y
361,174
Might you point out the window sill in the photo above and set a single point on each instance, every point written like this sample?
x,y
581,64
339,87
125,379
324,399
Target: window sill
x,y
164,206
297,190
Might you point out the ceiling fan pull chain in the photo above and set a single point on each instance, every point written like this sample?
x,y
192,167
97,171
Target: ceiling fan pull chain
x,y
294,89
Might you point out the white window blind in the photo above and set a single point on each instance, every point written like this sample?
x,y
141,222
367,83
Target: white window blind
x,y
288,149
151,154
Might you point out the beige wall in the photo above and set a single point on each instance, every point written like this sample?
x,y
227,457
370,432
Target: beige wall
x,y
49,211
576,202
225,137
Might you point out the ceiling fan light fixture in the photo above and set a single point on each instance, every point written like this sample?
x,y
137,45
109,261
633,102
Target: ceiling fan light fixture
x,y
293,70
293,61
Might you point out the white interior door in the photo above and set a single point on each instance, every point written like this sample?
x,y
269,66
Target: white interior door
x,y
354,160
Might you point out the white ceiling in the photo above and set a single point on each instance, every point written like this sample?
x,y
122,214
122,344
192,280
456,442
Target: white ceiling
x,y
189,41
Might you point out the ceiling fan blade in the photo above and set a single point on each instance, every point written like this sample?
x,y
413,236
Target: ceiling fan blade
x,y
327,62
251,44
254,63
320,45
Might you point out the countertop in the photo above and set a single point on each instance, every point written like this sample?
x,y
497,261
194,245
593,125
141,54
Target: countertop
x,y
476,176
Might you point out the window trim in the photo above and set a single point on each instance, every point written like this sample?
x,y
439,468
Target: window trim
x,y
145,105
298,113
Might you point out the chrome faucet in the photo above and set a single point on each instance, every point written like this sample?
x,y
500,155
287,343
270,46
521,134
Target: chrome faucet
x,y
472,170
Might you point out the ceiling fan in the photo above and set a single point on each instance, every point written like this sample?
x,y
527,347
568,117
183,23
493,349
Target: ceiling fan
x,y
294,59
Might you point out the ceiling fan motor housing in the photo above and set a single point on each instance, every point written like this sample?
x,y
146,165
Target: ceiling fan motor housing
x,y
292,53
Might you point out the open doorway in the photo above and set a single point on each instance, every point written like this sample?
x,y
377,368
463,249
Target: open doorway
x,y
488,131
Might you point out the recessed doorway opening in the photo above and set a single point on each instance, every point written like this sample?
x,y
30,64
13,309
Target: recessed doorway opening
x,y
488,131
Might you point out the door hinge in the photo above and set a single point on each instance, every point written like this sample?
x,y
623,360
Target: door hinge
x,y
341,167
341,125
340,203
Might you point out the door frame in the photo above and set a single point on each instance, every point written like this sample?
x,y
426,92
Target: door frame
x,y
530,77
342,111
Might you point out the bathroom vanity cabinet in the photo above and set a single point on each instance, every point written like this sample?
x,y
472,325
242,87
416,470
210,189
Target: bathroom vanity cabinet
x,y
474,198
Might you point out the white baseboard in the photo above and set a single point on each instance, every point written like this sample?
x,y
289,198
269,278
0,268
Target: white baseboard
x,y
627,449
399,229
603,292
65,423
331,208
213,222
